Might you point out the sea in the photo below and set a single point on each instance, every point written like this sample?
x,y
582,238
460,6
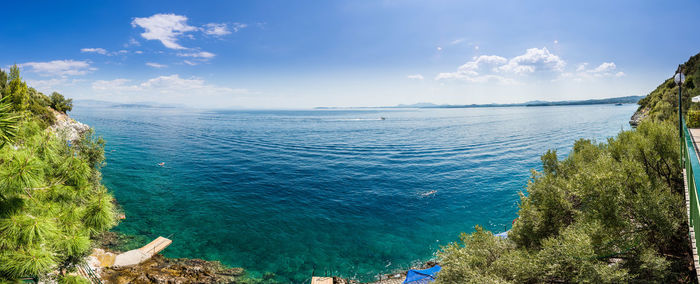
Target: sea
x,y
353,193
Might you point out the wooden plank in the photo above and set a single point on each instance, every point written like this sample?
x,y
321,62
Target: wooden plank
x,y
155,246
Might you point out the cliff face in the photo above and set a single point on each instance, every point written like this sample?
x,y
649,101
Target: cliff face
x,y
639,115
67,128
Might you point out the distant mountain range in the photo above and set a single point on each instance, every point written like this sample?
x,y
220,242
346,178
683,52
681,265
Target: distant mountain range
x,y
618,100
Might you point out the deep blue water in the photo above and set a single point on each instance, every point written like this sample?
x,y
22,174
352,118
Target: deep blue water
x,y
339,190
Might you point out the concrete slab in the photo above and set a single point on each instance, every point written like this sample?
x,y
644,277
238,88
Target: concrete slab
x,y
142,254
321,280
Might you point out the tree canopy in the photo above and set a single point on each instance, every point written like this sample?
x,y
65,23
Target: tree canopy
x,y
51,198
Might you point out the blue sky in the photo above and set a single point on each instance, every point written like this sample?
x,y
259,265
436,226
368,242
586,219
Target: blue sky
x,y
301,54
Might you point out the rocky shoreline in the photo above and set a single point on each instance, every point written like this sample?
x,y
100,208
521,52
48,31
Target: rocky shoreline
x,y
638,116
160,269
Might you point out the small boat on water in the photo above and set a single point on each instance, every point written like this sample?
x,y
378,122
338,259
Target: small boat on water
x,y
161,164
382,118
618,104
429,193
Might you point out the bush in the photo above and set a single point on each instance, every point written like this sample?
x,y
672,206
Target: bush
x,y
609,213
60,103
71,279
693,118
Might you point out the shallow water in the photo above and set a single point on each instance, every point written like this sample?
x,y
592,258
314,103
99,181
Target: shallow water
x,y
338,191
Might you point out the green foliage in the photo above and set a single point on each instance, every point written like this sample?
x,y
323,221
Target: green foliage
x,y
60,103
51,199
608,213
8,123
662,103
693,118
26,101
17,91
71,279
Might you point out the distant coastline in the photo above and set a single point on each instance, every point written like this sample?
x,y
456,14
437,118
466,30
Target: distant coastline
x,y
618,100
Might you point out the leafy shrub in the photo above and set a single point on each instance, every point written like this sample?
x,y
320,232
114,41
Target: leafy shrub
x,y
609,213
71,279
60,103
693,118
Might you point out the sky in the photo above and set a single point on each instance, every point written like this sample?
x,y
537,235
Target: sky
x,y
303,54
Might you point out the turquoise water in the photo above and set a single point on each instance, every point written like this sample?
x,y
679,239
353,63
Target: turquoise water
x,y
339,190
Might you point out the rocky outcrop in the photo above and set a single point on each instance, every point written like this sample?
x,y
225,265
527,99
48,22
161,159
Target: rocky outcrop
x,y
159,269
68,128
638,116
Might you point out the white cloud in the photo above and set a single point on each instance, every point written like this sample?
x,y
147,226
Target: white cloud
x,y
103,51
201,54
439,48
164,27
138,52
238,26
171,85
581,67
457,41
605,67
472,71
216,29
94,50
221,29
59,67
190,63
53,84
47,86
604,70
534,59
415,77
132,42
156,65
116,85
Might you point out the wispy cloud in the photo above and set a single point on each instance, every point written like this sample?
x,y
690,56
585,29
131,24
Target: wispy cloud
x,y
132,42
238,26
58,67
415,77
474,70
94,50
171,86
201,54
457,41
103,51
166,28
216,29
156,65
582,73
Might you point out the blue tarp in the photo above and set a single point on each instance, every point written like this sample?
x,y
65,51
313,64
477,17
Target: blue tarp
x,y
422,276
503,235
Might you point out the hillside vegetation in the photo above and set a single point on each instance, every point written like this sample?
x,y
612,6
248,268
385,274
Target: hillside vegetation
x,y
609,212
662,102
51,198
